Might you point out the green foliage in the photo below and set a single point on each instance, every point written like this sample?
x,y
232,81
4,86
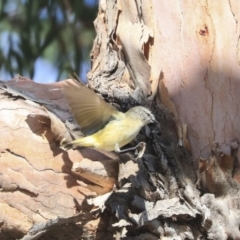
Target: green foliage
x,y
60,31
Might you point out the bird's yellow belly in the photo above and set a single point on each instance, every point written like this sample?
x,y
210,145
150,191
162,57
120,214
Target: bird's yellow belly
x,y
116,133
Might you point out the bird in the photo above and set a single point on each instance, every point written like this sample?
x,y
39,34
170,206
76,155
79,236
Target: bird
x,y
105,128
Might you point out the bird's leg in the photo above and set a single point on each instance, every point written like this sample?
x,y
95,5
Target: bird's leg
x,y
117,149
140,153
142,146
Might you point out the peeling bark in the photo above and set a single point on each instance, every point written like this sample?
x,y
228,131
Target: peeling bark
x,y
182,60
40,187
181,45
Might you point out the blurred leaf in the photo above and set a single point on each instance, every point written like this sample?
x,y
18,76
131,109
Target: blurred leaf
x,y
62,32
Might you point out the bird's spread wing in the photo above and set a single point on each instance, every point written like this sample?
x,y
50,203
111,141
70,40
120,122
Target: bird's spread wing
x,y
90,111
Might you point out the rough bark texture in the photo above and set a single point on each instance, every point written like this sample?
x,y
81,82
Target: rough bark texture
x,y
40,183
182,60
190,50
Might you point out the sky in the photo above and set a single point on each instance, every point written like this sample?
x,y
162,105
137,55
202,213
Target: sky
x,y
50,72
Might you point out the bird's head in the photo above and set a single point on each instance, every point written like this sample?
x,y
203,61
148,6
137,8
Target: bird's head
x,y
141,113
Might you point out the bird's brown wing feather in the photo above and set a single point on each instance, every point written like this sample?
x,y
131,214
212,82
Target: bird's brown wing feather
x,y
90,111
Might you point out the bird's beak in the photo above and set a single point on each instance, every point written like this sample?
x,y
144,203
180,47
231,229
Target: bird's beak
x,y
154,121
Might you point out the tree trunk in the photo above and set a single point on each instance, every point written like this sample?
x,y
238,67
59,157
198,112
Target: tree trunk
x,y
181,59
41,190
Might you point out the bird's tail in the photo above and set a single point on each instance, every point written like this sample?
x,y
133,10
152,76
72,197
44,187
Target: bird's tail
x,y
81,142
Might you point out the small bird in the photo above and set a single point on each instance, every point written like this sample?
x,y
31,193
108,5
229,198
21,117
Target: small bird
x,y
107,128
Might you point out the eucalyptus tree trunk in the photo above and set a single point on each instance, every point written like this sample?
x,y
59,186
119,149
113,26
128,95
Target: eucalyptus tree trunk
x,y
181,59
